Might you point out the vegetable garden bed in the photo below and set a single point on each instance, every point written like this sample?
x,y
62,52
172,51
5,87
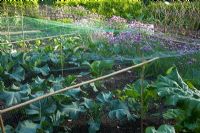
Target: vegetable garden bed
x,y
34,72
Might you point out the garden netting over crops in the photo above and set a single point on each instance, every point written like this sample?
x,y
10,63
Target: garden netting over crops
x,y
34,49
100,40
94,40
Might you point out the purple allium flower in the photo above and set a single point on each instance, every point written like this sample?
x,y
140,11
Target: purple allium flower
x,y
123,37
112,40
146,48
137,38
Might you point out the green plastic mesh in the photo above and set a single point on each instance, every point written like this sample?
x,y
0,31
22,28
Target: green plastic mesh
x,y
62,49
95,40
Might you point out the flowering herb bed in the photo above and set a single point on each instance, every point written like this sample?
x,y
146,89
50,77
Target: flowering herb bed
x,y
131,102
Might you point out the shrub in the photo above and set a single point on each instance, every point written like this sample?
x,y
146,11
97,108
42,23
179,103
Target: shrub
x,y
178,15
127,8
182,16
29,8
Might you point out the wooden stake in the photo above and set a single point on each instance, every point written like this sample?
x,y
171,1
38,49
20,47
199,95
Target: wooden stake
x,y
2,125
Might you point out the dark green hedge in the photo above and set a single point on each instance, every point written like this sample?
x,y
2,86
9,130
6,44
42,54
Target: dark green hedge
x,y
125,8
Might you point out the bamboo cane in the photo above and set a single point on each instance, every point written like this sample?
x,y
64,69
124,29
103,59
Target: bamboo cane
x,y
2,125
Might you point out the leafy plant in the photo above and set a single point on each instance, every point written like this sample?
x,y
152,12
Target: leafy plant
x,y
94,111
94,126
73,110
98,68
185,99
120,111
161,129
42,70
27,126
104,97
41,109
18,74
14,97
131,95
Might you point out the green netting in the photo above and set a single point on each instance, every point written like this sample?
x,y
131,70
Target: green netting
x,y
38,55
20,28
25,29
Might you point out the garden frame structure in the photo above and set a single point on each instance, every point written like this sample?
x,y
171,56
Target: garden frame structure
x,y
17,26
68,88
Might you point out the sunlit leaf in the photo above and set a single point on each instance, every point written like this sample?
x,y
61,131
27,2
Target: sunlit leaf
x,y
27,127
104,97
18,74
42,70
161,129
73,110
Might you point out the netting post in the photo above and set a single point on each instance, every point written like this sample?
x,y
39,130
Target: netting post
x,y
8,24
62,55
2,124
62,38
46,16
141,91
22,17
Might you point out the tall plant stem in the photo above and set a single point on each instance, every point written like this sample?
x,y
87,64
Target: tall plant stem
x,y
61,59
142,98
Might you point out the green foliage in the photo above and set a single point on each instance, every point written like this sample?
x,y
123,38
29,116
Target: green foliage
x,y
74,93
73,110
127,8
15,97
8,129
27,7
159,12
40,109
155,12
35,65
98,68
94,111
104,97
132,95
161,129
187,100
27,126
57,118
88,103
120,111
94,126
18,74
179,15
42,70
66,20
